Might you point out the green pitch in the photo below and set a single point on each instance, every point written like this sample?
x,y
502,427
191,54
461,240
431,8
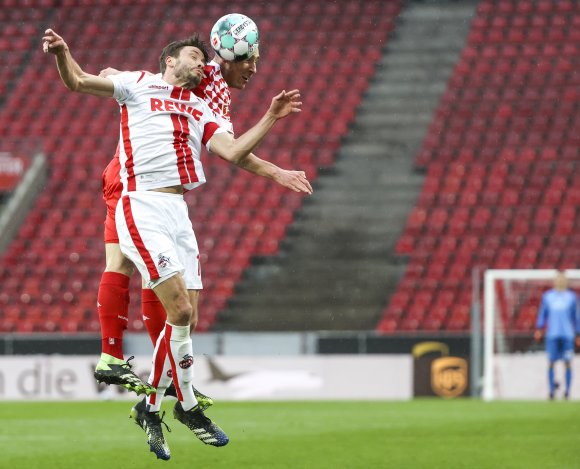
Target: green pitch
x,y
418,434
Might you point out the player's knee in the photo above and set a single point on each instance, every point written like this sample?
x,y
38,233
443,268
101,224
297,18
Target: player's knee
x,y
122,269
182,312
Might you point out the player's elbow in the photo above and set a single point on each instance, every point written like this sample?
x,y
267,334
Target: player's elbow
x,y
79,84
238,159
241,159
72,86
228,149
240,153
233,155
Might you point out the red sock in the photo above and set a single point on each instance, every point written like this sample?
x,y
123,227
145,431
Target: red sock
x,y
113,307
154,315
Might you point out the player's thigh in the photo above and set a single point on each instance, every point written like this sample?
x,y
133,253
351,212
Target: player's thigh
x,y
175,299
567,349
553,349
147,236
110,234
116,261
112,190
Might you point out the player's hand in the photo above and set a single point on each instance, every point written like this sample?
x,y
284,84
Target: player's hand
x,y
105,72
295,180
285,103
53,43
538,335
578,341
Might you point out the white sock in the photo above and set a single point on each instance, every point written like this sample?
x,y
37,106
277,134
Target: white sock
x,y
180,353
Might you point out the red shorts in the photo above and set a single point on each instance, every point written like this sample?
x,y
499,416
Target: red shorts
x,y
112,189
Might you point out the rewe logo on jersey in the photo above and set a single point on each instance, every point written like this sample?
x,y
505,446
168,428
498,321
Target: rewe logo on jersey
x,y
165,105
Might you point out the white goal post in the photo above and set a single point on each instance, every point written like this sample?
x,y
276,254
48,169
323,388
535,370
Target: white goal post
x,y
490,301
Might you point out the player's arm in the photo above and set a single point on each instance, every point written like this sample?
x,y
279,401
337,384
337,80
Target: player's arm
x,y
541,320
72,75
576,320
235,149
295,180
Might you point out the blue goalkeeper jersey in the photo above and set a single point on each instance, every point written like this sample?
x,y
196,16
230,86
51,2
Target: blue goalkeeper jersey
x,y
559,314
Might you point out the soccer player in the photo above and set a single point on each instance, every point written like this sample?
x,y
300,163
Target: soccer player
x,y
559,322
163,125
113,298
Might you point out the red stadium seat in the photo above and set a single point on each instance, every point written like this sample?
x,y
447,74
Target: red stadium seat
x,y
500,109
65,230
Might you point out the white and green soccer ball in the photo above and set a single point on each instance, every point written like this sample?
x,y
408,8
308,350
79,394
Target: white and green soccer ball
x,y
235,37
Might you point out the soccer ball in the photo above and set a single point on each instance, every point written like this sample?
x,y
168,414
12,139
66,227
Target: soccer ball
x,y
235,37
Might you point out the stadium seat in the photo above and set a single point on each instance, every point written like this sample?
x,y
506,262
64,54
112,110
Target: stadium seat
x,y
500,158
61,241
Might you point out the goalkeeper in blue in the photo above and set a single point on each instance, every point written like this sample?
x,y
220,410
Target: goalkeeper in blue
x,y
559,322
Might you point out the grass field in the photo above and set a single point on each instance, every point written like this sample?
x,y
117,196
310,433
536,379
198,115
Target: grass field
x,y
417,434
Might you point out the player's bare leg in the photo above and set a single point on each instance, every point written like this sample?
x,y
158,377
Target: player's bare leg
x,y
113,308
177,303
553,385
154,318
171,345
181,307
568,379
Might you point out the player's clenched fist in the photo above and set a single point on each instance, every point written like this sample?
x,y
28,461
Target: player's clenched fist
x,y
52,42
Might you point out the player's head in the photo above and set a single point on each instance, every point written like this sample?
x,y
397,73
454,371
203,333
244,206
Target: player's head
x,y
235,40
237,74
560,281
184,60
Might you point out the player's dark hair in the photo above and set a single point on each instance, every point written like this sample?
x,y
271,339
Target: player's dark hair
x,y
173,49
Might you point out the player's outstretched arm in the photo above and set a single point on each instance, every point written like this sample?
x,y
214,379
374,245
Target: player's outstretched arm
x,y
294,180
71,73
235,150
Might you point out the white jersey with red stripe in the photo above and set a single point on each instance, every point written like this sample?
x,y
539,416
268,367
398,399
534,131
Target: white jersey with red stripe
x,y
162,130
214,90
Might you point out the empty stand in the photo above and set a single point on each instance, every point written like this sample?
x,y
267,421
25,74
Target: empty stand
x,y
501,164
51,272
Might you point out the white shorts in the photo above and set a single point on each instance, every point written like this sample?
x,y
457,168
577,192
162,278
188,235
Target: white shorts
x,y
155,233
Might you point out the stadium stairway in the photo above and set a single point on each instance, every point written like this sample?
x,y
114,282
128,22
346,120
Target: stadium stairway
x,y
336,268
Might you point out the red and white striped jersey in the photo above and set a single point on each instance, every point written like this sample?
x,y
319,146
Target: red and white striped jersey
x,y
162,130
214,90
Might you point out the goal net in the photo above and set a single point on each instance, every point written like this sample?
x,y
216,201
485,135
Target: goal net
x,y
514,366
